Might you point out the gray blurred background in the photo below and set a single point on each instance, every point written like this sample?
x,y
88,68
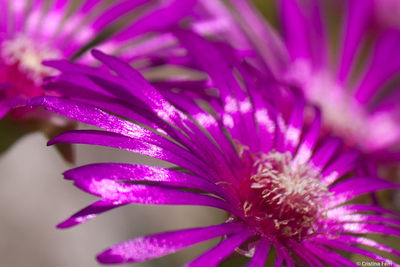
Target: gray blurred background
x,y
34,197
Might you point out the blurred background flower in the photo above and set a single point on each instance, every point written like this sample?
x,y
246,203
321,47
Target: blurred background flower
x,y
36,30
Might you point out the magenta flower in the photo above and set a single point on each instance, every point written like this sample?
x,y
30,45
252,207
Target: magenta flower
x,y
352,80
33,31
30,34
284,187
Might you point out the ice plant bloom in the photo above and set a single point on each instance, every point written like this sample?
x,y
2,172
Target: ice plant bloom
x,y
29,34
351,77
283,187
33,31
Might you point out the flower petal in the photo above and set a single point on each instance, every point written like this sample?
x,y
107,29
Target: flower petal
x,y
354,187
352,249
261,254
385,64
304,253
91,115
325,153
160,19
307,146
366,228
215,255
259,32
293,131
89,213
367,242
295,29
367,218
141,173
174,154
122,193
358,14
357,208
210,60
158,245
117,10
329,256
344,163
282,255
165,110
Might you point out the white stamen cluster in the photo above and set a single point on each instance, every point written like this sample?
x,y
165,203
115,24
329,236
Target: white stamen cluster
x,y
295,180
29,55
287,195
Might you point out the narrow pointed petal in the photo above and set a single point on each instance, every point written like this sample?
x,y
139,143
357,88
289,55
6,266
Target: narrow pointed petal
x,y
354,25
304,253
358,208
354,187
142,173
215,255
357,250
158,20
293,132
344,163
158,245
295,29
167,151
260,33
368,218
307,146
123,193
385,63
91,115
282,255
325,153
367,242
89,213
329,256
116,11
162,107
261,254
366,228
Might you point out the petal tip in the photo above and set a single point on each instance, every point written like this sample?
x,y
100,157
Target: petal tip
x,y
49,62
66,224
36,101
97,53
52,141
107,257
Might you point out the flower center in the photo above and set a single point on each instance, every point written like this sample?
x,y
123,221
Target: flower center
x,y
281,198
321,89
26,56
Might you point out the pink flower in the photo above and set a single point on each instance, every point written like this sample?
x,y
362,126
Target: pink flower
x,y
284,186
31,31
